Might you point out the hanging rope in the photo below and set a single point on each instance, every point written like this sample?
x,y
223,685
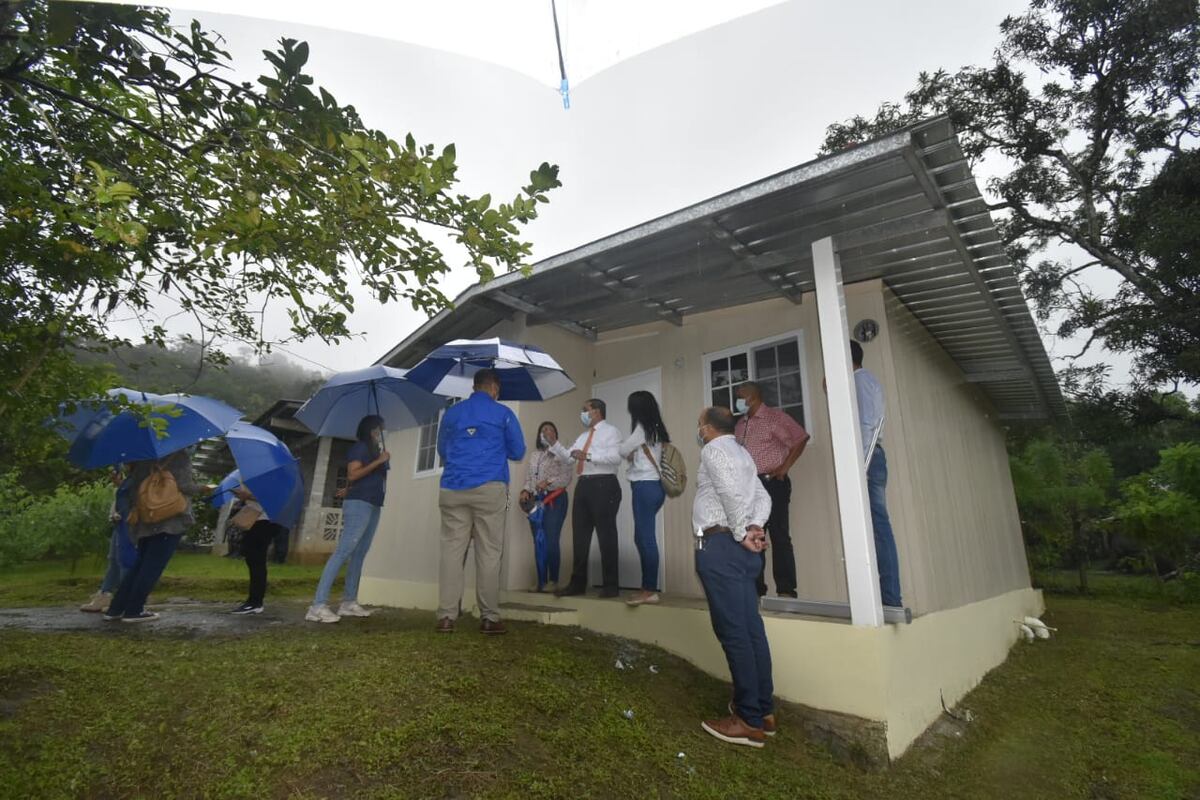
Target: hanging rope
x,y
563,88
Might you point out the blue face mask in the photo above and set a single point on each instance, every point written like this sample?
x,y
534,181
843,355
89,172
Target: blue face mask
x,y
585,418
740,405
699,438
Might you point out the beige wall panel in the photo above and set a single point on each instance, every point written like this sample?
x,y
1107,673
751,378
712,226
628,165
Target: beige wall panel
x,y
947,451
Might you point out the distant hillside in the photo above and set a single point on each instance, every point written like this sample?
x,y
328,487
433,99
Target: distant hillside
x,y
246,384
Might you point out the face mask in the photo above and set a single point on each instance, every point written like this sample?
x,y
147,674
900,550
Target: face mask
x,y
699,438
585,418
542,440
740,405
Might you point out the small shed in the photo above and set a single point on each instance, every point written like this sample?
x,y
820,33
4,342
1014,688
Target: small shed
x,y
889,242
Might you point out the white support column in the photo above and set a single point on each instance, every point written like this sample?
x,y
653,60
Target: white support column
x,y
313,518
854,511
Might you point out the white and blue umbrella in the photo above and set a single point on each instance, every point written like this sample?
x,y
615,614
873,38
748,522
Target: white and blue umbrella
x,y
526,372
347,397
106,431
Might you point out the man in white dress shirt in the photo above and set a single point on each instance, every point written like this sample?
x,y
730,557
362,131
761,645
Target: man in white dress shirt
x,y
870,419
728,514
597,497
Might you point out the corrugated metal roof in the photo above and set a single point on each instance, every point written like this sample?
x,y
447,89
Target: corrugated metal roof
x,y
903,208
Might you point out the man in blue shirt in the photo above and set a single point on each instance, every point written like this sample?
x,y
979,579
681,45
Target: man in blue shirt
x,y
476,440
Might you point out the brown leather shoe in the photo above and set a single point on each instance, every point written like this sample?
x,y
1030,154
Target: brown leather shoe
x,y
492,627
769,727
445,625
735,731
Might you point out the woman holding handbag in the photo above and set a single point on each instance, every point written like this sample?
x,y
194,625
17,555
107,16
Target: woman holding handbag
x,y
258,531
643,451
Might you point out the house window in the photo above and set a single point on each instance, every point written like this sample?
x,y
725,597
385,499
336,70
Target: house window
x,y
428,461
776,364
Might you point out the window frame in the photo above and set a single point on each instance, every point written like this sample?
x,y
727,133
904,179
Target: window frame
x,y
438,467
747,349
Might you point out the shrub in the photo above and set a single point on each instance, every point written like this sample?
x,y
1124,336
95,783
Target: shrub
x,y
69,523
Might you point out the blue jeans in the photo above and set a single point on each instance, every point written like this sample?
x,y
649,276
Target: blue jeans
x,y
553,518
153,554
359,521
728,573
114,575
648,497
886,559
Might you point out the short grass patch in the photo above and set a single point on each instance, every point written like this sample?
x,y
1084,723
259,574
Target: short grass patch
x,y
385,708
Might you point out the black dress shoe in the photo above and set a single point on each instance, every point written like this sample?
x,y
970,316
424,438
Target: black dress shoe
x,y
610,592
570,590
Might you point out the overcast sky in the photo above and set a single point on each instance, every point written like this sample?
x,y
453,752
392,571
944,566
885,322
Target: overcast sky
x,y
664,129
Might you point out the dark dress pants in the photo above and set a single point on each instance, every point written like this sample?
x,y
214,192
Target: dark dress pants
x,y
597,498
783,560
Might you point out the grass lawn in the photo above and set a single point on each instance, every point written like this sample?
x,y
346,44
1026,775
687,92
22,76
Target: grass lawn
x,y
386,708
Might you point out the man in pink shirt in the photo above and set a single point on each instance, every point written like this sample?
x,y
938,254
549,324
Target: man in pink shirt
x,y
774,440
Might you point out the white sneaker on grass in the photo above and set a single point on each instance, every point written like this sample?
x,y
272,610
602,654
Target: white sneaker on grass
x,y
352,609
321,613
98,602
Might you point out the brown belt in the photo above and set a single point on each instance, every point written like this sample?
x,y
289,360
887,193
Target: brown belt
x,y
716,529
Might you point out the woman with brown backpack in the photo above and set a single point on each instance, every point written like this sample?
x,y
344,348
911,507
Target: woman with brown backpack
x,y
161,513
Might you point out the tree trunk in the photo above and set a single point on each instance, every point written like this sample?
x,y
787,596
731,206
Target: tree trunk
x,y
1081,551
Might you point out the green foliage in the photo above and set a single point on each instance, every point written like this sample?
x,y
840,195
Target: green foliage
x,y
135,172
1093,106
69,523
1063,494
1160,509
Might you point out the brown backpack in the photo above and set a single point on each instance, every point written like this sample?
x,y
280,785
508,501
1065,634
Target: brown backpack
x,y
158,498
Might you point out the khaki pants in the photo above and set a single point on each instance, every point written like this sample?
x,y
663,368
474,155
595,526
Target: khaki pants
x,y
472,514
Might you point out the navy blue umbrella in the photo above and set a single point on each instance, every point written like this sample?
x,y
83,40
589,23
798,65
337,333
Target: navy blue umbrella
x,y
536,516
347,397
526,372
268,470
104,432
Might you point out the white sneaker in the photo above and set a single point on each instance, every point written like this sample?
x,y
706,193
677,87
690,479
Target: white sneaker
x,y
98,602
321,614
352,609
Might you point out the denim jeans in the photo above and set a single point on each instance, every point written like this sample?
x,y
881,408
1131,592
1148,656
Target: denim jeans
x,y
359,521
728,573
114,575
553,517
648,497
885,543
153,554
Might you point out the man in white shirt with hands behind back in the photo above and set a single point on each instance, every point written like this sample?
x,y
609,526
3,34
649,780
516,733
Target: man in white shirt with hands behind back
x,y
596,458
728,514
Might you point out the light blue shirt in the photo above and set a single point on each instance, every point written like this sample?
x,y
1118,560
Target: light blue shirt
x,y
870,407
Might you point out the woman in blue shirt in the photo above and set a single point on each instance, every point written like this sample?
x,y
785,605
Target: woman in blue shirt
x,y
366,470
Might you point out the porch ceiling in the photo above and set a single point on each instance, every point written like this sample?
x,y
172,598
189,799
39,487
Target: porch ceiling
x,y
904,208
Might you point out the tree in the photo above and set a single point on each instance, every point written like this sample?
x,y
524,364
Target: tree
x,y
1094,107
1160,509
137,172
1063,494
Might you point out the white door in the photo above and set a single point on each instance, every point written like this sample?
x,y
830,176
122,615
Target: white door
x,y
615,394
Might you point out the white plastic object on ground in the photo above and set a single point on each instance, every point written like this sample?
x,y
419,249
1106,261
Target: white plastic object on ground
x,y
1026,632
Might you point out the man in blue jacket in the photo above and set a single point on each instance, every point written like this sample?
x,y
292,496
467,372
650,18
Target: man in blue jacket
x,y
476,440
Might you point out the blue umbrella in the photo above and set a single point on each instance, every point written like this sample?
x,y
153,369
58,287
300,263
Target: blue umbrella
x,y
347,397
526,372
269,471
536,516
102,434
224,491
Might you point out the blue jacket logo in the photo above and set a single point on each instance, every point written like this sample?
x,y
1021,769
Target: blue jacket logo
x,y
471,431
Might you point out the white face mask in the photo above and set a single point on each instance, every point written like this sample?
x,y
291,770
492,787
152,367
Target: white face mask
x,y
700,437
585,418
740,405
542,440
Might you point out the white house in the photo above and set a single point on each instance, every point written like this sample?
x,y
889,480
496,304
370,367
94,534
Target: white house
x,y
890,242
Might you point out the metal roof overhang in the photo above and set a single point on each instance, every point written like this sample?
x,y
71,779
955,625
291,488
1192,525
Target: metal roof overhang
x,y
903,208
